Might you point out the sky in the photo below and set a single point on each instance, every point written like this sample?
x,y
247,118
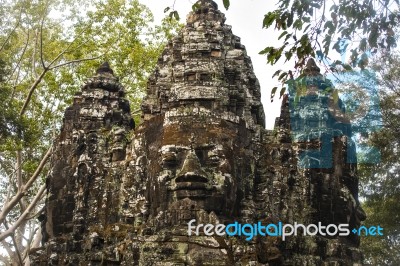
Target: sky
x,y
245,17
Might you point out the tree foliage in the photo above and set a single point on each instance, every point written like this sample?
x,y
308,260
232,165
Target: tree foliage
x,y
315,28
47,50
381,182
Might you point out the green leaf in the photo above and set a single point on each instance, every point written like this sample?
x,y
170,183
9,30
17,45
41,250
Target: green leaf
x,y
289,21
287,37
269,18
288,55
195,6
282,76
282,34
327,43
276,73
304,40
166,9
282,92
347,67
174,14
329,25
307,27
373,36
320,55
336,46
298,24
266,50
226,4
275,55
335,96
273,91
391,41
363,44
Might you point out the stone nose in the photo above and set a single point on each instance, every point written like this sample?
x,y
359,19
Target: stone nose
x,y
191,170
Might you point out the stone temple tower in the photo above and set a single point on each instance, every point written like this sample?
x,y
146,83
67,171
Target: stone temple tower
x,y
119,195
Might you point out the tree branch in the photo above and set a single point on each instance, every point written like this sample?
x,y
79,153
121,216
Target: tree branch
x,y
31,90
23,217
39,79
4,260
33,241
7,247
13,30
17,66
61,53
14,201
16,249
73,61
18,169
41,44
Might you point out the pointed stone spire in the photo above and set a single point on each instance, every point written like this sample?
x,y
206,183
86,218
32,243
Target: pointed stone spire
x,y
104,79
207,11
207,69
311,68
89,149
104,68
207,3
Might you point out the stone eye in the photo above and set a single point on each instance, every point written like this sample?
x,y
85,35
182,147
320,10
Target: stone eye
x,y
169,160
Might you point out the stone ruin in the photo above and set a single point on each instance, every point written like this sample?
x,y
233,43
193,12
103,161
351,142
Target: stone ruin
x,y
120,195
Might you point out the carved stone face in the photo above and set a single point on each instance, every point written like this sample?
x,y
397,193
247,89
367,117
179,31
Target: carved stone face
x,y
201,172
202,163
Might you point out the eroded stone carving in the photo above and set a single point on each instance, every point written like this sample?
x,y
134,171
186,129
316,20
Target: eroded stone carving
x,y
201,153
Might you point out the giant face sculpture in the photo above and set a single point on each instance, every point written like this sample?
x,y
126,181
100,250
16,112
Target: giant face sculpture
x,y
206,163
